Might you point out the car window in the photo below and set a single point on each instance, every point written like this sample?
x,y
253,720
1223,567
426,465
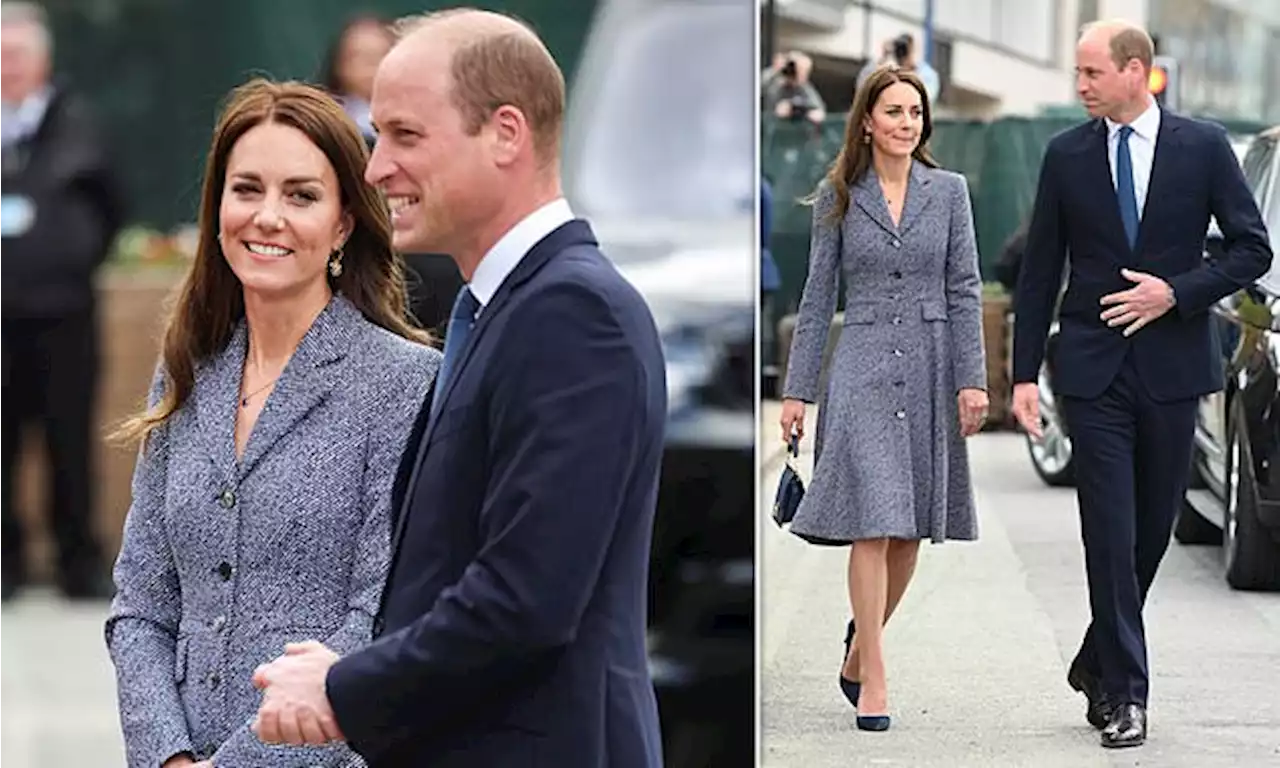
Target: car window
x,y
672,134
1260,171
1259,166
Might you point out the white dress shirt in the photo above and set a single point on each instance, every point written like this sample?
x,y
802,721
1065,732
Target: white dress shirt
x,y
505,254
1142,150
22,120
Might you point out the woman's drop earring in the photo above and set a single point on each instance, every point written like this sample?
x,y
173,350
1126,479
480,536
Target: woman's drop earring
x,y
335,263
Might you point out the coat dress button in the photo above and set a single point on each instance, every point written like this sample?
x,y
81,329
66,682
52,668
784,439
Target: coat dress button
x,y
227,499
225,570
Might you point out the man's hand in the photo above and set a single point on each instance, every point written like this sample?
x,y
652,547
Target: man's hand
x,y
1139,305
1026,408
783,109
295,709
973,405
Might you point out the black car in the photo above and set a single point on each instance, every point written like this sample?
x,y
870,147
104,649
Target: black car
x,y
1233,498
1237,440
659,157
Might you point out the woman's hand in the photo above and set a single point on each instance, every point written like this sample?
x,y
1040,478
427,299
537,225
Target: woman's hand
x,y
792,419
182,761
973,410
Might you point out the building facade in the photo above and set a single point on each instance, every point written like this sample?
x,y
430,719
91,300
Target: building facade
x,y
995,57
1228,54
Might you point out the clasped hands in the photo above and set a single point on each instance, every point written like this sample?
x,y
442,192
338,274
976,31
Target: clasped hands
x,y
295,709
1138,306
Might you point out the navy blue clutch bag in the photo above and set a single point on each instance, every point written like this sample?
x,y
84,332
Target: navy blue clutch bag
x,y
790,488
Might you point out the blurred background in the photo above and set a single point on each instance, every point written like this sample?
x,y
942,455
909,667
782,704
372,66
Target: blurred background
x,y
659,156
1001,74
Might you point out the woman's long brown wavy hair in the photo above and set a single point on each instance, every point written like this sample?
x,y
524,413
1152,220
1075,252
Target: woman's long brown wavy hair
x,y
210,301
855,156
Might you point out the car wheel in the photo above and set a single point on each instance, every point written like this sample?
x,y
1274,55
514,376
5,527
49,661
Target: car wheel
x,y
1192,528
1251,556
1051,456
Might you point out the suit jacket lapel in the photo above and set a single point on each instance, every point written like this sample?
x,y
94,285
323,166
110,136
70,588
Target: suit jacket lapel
x,y
305,383
575,232
919,195
1161,166
868,197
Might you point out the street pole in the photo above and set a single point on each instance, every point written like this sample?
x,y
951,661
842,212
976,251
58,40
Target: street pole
x,y
766,32
928,31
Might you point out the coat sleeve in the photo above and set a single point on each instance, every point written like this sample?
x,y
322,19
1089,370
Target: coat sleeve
x,y
817,302
390,426
142,626
565,435
1246,249
964,294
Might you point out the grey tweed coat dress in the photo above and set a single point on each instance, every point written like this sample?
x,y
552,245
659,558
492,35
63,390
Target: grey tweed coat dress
x,y
889,458
225,560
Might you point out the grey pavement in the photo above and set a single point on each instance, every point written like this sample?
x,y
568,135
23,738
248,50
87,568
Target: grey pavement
x,y
57,686
977,652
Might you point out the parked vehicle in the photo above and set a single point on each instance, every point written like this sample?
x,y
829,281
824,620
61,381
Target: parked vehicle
x,y
659,156
1237,440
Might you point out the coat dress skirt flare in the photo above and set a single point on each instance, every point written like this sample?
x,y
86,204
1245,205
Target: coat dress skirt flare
x,y
889,458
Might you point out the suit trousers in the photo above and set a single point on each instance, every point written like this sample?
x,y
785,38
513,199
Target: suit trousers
x,y
50,378
1132,460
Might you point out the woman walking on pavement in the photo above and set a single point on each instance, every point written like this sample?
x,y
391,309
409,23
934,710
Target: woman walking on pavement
x,y
908,377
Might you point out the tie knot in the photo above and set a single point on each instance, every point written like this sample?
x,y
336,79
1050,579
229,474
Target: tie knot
x,y
465,306
1125,132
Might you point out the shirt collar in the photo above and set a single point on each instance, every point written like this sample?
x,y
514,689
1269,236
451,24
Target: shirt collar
x,y
29,112
505,254
1145,125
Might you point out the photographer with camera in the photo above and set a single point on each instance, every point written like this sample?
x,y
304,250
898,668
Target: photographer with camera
x,y
901,51
787,92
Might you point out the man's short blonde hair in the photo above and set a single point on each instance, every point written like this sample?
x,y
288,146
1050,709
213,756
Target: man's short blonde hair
x,y
499,60
1127,41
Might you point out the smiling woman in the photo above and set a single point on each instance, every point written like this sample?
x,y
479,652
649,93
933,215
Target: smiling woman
x,y
288,370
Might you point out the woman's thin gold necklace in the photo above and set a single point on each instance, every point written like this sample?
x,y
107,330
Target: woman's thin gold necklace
x,y
244,401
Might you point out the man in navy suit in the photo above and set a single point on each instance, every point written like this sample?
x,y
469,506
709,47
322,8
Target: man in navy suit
x,y
1129,196
512,629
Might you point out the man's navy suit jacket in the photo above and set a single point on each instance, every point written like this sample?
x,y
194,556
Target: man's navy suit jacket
x,y
1194,175
512,631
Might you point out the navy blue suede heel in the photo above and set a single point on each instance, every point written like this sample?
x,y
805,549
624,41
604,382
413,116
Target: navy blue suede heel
x,y
850,688
873,722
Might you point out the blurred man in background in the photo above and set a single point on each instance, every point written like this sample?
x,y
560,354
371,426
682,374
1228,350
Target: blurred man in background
x,y
901,52
60,214
787,92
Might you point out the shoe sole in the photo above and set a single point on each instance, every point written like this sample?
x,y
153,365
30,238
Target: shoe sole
x,y
1124,744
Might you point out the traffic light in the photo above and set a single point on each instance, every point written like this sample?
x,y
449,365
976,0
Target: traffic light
x,y
1163,81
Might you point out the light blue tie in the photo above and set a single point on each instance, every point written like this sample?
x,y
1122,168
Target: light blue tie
x,y
1124,187
461,321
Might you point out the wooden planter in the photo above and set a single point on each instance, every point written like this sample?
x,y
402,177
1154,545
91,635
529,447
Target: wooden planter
x,y
996,341
132,303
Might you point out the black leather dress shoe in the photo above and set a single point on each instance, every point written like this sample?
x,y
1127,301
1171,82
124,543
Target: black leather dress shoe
x,y
8,589
87,585
1099,710
1128,727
